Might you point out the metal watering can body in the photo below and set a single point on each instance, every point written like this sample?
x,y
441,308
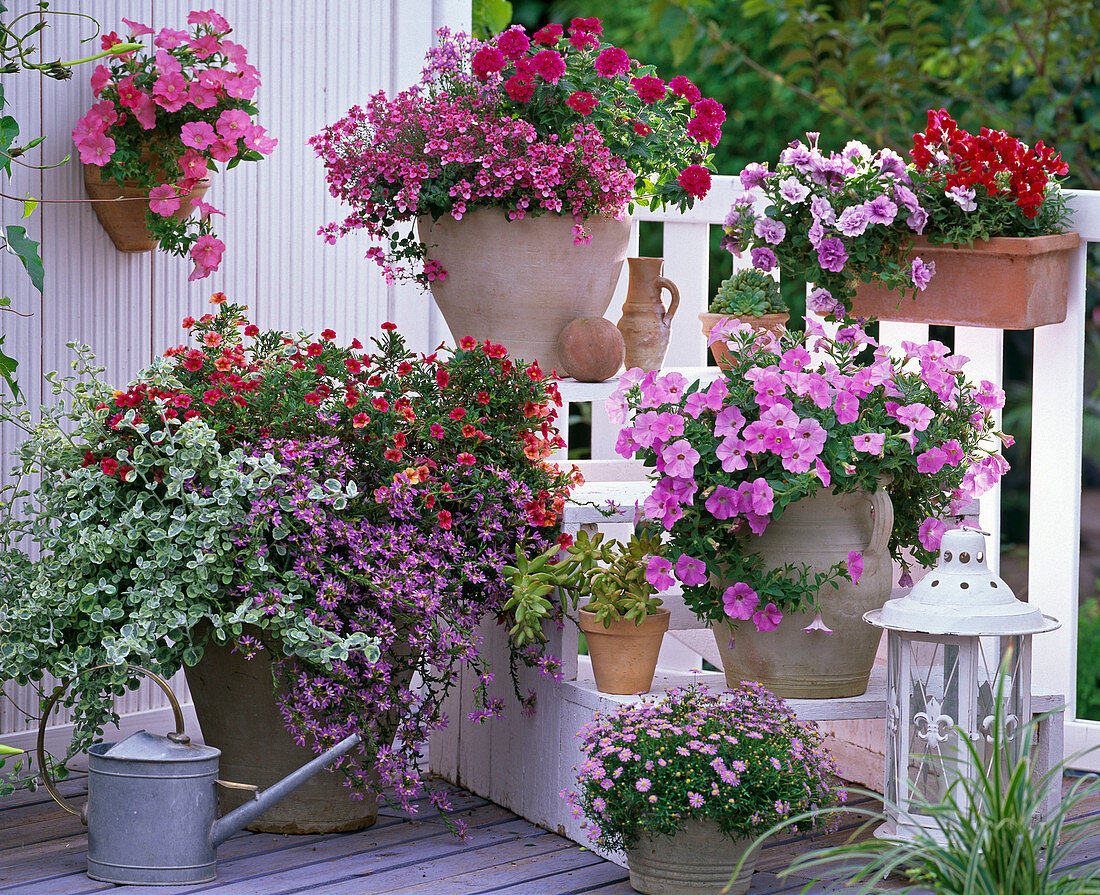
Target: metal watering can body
x,y
153,804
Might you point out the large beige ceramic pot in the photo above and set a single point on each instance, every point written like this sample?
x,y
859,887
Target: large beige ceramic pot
x,y
236,709
518,283
819,531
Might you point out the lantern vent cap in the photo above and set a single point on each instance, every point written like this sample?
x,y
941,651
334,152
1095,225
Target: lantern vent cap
x,y
960,595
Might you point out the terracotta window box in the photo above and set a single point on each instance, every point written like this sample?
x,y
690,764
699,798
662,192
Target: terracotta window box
x,y
1004,283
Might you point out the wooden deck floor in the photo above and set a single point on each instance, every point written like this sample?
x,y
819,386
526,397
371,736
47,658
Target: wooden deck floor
x,y
43,852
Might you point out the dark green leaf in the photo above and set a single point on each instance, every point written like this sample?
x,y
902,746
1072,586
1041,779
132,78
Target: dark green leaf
x,y
27,250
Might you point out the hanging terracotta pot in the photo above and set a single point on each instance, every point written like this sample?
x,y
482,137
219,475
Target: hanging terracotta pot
x,y
124,220
518,283
1004,283
646,322
236,709
698,860
624,655
818,531
719,350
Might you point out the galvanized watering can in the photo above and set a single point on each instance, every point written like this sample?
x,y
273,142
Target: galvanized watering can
x,y
153,802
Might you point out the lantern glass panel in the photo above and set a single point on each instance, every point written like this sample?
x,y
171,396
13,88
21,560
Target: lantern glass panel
x,y
945,683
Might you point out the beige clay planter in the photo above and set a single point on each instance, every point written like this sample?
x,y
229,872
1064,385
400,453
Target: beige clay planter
x,y
699,860
624,655
1003,283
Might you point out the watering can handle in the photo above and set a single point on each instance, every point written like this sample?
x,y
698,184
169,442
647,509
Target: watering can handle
x,y
178,736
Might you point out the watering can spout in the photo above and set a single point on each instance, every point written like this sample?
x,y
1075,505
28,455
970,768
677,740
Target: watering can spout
x,y
240,818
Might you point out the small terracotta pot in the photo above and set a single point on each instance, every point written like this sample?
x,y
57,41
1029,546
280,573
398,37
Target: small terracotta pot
x,y
624,655
124,220
1004,283
721,353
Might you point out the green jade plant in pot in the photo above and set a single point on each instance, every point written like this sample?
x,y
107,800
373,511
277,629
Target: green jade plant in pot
x,y
622,621
788,485
164,118
685,782
749,295
518,160
329,521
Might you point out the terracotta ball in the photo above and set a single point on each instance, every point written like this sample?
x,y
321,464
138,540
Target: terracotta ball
x,y
591,349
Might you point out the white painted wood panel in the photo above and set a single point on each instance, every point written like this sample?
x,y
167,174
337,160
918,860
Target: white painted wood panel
x,y
316,60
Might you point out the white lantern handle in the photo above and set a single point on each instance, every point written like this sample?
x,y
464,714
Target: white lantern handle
x,y
883,511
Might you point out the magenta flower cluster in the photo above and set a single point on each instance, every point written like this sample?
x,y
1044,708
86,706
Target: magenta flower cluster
x,y
554,122
831,220
794,414
738,758
163,118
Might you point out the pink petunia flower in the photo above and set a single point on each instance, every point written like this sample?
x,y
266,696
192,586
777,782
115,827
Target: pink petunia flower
x,y
740,601
691,571
855,565
657,573
164,199
768,618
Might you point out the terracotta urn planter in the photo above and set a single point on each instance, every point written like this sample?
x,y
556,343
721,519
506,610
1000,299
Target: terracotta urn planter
x,y
518,283
124,220
646,322
699,860
624,655
819,531
237,713
1004,283
719,350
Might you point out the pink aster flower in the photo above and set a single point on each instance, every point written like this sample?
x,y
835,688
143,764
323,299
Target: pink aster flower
x,y
740,601
768,618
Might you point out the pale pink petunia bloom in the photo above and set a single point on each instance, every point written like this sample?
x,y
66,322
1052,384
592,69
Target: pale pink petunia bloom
x,y
818,624
870,443
768,618
691,571
164,199
740,601
657,573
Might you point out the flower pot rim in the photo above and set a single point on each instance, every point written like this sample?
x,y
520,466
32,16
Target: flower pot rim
x,y
586,621
1013,245
712,318
426,218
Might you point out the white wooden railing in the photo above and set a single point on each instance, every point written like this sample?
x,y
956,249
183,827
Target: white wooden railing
x,y
1057,397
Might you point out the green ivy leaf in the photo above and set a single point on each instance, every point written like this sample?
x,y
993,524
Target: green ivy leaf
x,y
27,250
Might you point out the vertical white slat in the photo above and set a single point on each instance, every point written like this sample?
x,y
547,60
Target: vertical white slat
x,y
893,334
1055,518
687,264
985,348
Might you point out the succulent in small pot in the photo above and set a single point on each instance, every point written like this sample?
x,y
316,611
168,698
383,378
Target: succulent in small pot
x,y
623,621
749,295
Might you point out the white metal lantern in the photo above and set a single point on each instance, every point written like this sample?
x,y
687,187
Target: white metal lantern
x,y
946,640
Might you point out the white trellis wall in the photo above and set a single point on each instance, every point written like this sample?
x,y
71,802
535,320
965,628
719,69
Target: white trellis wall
x,y
316,60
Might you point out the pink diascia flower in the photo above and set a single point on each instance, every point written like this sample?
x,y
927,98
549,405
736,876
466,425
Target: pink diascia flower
x,y
740,601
